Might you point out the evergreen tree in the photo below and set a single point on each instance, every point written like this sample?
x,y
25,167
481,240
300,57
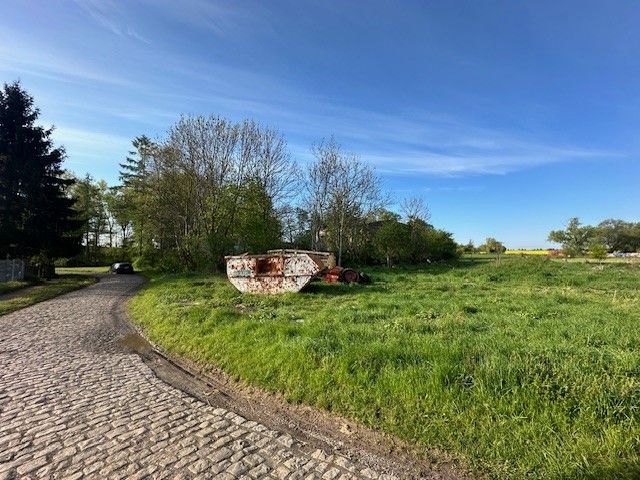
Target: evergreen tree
x,y
134,201
36,215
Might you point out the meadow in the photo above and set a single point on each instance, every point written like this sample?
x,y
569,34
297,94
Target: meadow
x,y
76,270
527,368
527,252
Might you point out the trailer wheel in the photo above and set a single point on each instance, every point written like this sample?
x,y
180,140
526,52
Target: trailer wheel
x,y
349,276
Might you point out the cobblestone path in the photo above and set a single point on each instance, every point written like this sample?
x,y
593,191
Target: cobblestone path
x,y
74,404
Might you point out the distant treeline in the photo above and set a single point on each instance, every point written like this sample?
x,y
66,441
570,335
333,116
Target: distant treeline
x,y
214,187
608,236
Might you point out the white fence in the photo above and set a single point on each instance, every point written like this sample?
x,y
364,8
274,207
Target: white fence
x,y
11,270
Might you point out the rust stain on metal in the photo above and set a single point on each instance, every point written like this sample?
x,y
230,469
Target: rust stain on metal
x,y
340,274
277,271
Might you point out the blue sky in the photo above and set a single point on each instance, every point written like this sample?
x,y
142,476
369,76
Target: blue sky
x,y
507,117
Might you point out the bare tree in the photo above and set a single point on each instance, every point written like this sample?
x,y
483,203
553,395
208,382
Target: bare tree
x,y
356,192
270,164
341,192
415,208
319,182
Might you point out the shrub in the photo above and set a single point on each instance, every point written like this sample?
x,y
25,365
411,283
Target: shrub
x,y
598,251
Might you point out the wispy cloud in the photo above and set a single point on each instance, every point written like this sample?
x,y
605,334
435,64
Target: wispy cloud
x,y
409,141
421,142
22,55
84,146
487,162
220,18
397,142
110,15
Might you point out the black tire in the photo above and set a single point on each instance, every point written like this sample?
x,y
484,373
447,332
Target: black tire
x,y
365,279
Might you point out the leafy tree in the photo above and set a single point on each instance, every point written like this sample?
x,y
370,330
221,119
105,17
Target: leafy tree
x,y
491,245
296,226
93,212
36,215
618,235
393,241
120,214
440,245
614,235
418,241
469,247
211,188
574,238
257,226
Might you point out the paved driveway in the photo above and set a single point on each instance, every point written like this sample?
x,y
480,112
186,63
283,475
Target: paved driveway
x,y
74,403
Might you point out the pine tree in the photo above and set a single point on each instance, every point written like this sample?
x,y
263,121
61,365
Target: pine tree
x,y
134,189
36,215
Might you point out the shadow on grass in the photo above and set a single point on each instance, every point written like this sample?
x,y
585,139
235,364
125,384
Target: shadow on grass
x,y
337,289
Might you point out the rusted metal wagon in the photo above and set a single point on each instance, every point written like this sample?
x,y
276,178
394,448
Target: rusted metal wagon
x,y
277,271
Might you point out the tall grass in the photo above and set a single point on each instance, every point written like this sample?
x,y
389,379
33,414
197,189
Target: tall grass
x,y
529,368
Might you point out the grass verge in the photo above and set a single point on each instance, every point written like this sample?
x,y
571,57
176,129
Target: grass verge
x,y
33,294
8,287
530,368
72,270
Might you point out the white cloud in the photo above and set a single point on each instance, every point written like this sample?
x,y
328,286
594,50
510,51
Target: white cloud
x,y
493,162
220,18
21,55
415,142
85,147
111,16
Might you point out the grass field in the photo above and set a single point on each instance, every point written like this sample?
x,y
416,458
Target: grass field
x,y
530,368
71,270
527,252
28,295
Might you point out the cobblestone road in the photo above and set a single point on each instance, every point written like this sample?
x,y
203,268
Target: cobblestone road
x,y
74,404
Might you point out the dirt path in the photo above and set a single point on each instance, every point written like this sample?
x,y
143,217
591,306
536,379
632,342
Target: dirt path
x,y
78,399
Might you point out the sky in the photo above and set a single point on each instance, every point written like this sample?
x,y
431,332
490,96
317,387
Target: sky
x,y
507,118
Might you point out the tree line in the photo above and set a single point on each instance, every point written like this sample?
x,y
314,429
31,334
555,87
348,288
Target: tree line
x,y
209,188
214,187
609,236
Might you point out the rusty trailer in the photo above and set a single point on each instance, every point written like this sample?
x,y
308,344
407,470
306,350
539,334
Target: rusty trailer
x,y
277,271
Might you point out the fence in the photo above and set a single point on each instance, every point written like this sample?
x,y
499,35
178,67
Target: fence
x,y
12,270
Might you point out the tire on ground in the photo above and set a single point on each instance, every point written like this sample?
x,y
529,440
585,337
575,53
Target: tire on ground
x,y
349,275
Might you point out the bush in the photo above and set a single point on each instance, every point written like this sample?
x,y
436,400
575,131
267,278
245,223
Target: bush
x,y
392,241
440,245
598,251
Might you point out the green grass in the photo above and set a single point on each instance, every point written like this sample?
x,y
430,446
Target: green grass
x,y
526,369
43,291
8,287
71,270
